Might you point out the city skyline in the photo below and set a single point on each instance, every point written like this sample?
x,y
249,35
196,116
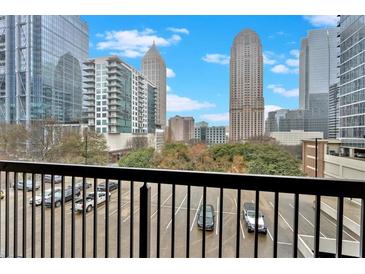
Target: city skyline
x,y
198,80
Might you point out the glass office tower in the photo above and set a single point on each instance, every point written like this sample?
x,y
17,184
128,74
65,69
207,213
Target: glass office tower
x,y
41,67
352,81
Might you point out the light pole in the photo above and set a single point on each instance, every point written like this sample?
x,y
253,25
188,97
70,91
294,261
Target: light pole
x,y
85,136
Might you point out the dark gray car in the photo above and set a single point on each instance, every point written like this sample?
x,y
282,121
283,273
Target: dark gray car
x,y
58,197
209,217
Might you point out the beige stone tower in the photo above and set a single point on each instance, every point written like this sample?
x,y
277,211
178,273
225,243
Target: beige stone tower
x,y
154,68
246,110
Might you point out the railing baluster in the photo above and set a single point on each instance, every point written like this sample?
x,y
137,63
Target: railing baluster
x,y
204,219
107,218
63,217
7,194
339,227
257,210
220,249
173,221
158,220
276,221
131,232
317,225
43,229
119,221
95,228
238,219
15,223
83,251
188,222
52,215
24,241
1,215
73,251
34,217
295,230
144,221
362,228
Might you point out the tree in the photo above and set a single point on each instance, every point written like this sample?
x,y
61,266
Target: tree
x,y
94,148
142,158
137,142
13,140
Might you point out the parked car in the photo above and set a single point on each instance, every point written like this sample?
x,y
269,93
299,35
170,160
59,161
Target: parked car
x,y
2,194
249,217
79,185
28,185
113,185
57,179
101,198
58,197
38,197
360,154
209,217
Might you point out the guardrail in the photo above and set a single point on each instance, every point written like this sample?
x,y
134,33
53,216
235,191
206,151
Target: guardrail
x,y
34,173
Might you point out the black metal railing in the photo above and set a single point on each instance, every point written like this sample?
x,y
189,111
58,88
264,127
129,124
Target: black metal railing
x,y
59,228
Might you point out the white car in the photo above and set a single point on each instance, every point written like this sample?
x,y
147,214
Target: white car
x,y
249,217
47,195
101,198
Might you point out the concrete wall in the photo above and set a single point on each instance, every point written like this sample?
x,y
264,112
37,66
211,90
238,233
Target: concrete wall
x,y
344,168
122,140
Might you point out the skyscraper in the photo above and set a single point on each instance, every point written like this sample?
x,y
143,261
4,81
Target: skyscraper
x,y
154,68
246,112
317,72
40,67
352,80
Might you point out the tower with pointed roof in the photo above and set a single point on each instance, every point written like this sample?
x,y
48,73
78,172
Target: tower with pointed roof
x,y
246,110
154,68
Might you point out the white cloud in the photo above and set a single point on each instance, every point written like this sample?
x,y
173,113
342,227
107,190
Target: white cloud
x,y
322,20
216,58
295,53
281,69
134,43
279,89
178,30
268,60
218,117
269,108
292,62
170,73
168,88
180,103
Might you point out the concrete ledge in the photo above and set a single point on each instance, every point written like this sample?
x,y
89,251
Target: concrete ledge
x,y
326,245
347,222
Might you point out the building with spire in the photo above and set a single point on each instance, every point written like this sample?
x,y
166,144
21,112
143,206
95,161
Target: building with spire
x,y
154,68
246,111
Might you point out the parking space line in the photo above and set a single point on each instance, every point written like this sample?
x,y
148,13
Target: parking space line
x,y
284,243
176,211
161,205
126,219
196,213
243,234
268,232
306,219
281,216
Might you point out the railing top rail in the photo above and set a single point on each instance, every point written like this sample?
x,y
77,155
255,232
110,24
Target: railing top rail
x,y
270,183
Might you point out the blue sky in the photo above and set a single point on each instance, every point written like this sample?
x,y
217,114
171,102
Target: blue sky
x,y
196,51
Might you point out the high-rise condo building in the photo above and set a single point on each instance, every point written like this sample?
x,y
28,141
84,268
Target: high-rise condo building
x,y
154,68
41,67
246,112
317,72
118,98
352,80
333,112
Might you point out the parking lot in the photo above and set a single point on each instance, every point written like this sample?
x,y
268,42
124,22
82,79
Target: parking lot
x,y
285,226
